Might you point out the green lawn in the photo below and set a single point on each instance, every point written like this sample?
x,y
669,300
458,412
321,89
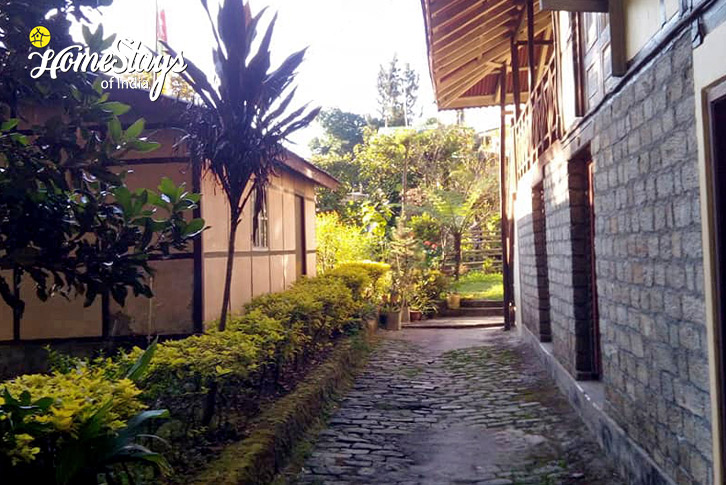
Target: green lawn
x,y
476,284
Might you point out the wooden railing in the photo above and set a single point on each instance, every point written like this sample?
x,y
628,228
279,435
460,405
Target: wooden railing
x,y
539,124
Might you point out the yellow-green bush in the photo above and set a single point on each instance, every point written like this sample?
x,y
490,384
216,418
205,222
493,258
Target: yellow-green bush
x,y
208,379
379,274
44,417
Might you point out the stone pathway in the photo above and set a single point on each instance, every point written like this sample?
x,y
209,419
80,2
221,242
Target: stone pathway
x,y
455,406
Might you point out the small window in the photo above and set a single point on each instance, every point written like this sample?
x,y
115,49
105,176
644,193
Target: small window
x,y
260,229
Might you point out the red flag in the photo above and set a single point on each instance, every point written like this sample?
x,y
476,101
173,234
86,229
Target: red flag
x,y
161,25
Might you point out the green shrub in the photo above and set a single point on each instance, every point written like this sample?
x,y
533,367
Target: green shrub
x,y
71,427
338,242
380,276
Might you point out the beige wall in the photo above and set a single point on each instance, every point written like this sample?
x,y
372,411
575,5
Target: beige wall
x,y
256,270
709,70
643,19
169,312
171,309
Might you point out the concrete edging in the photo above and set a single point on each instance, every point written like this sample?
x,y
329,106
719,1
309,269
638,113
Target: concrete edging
x,y
632,461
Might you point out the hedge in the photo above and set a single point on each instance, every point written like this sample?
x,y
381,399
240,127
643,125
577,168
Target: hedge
x,y
210,380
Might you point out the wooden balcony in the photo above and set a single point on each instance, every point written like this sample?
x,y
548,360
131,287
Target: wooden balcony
x,y
539,124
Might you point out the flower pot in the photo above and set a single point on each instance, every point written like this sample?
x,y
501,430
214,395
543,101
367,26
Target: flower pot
x,y
453,301
416,315
405,314
393,320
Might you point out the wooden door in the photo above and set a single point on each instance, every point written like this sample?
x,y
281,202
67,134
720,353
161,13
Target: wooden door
x,y
594,311
717,112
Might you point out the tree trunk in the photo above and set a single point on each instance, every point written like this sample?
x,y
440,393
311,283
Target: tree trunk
x,y
234,223
457,255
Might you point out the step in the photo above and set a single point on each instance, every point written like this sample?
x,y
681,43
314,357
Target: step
x,y
472,312
458,322
479,303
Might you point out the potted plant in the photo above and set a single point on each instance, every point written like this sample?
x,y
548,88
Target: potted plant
x,y
453,301
393,317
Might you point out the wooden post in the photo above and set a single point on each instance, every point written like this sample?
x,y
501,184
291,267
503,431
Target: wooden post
x,y
16,309
503,188
530,45
515,78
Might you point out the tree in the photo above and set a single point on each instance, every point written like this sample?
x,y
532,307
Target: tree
x,y
67,220
343,132
470,193
389,94
409,83
238,132
397,93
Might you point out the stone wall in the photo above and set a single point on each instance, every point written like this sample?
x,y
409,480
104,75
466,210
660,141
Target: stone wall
x,y
531,228
559,256
649,265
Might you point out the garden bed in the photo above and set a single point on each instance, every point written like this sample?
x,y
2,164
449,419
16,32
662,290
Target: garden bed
x,y
273,436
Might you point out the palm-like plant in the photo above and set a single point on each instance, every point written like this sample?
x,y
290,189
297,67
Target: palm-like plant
x,y
237,132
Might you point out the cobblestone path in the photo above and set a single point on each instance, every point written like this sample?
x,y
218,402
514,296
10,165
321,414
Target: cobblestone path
x,y
455,406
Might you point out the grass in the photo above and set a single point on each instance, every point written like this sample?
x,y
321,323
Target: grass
x,y
476,284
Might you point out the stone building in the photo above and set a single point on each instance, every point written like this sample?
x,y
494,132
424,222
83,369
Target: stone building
x,y
614,211
188,286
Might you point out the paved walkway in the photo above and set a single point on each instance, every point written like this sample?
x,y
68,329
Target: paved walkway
x,y
455,406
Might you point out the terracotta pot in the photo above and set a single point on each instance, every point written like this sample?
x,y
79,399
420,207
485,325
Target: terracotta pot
x,y
416,315
453,301
393,320
405,314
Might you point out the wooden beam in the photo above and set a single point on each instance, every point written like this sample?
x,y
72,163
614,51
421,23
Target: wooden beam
x,y
455,62
575,5
530,44
617,38
496,16
440,20
480,101
474,19
460,83
536,42
515,78
503,189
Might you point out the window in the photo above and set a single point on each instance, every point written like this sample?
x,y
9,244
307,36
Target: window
x,y
260,225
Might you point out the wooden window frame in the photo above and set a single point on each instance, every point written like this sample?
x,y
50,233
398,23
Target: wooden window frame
x,y
261,230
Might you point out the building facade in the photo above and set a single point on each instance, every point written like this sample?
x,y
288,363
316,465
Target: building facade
x,y
187,286
613,212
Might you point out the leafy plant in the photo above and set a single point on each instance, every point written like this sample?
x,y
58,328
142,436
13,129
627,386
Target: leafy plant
x,y
69,427
238,132
67,220
339,242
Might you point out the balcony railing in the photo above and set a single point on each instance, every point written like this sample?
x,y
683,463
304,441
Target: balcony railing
x,y
539,124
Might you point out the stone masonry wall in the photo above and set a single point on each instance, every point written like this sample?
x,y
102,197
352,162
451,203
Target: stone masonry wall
x,y
534,300
649,266
559,255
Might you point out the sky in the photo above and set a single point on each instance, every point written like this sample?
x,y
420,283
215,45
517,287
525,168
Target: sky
x,y
347,41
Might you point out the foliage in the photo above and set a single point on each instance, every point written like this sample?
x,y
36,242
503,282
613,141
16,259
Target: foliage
x,y
68,427
380,278
406,258
343,132
238,133
257,458
67,221
476,284
339,242
427,291
397,93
